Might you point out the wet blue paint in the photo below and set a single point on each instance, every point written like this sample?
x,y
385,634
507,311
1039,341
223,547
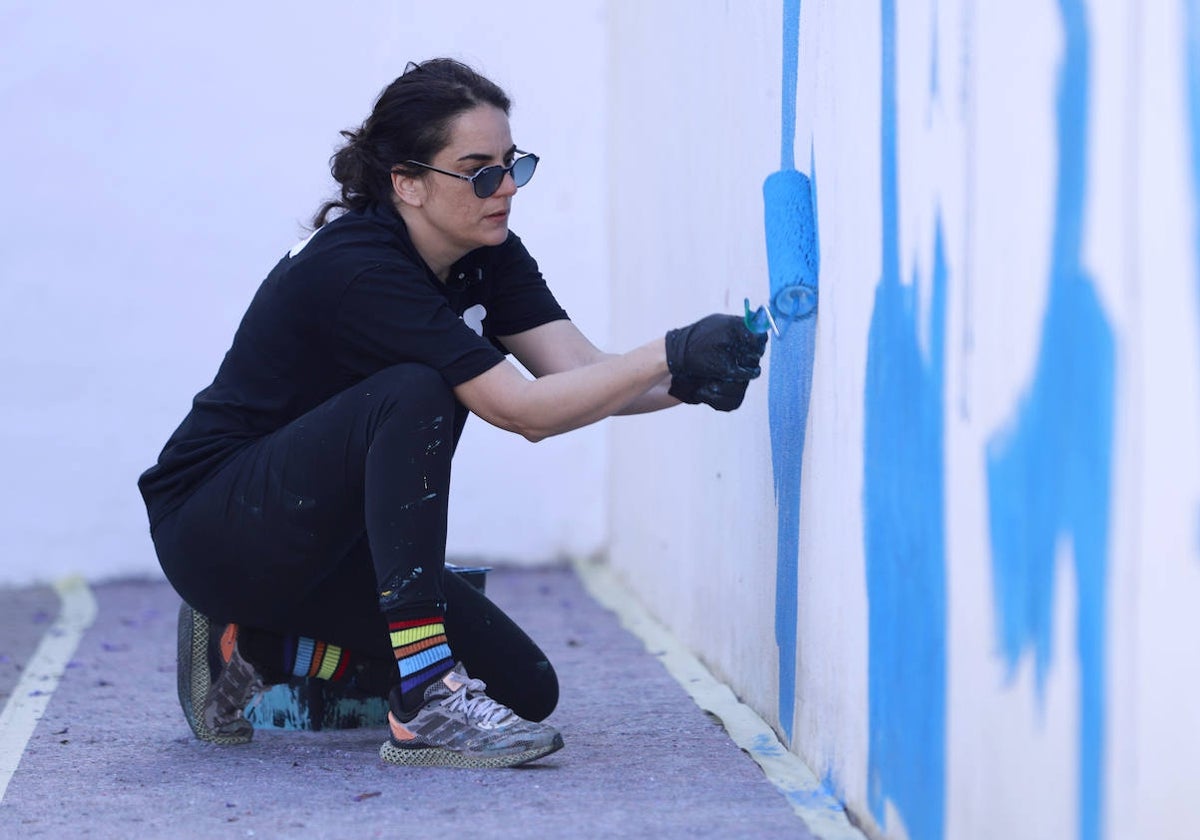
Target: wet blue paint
x,y
1192,51
791,64
904,518
793,266
1049,471
788,202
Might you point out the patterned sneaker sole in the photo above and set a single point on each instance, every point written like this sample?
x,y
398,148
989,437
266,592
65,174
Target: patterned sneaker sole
x,y
194,679
436,757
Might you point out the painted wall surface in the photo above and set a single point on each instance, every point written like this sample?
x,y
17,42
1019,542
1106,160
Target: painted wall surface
x,y
958,569
159,160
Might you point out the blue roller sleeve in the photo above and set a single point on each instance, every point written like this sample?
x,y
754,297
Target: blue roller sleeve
x,y
791,244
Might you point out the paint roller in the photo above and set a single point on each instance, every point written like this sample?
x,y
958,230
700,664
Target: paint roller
x,y
792,255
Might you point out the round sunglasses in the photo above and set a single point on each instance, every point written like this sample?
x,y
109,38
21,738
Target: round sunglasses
x,y
486,181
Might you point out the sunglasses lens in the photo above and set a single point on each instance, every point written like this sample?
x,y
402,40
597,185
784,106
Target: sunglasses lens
x,y
487,180
522,169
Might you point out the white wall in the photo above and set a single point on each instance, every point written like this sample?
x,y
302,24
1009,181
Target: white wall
x,y
999,553
694,102
157,162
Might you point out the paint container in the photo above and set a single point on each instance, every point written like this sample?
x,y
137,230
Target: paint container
x,y
476,576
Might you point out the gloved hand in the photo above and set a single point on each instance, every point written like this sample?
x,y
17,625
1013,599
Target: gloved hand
x,y
721,394
715,347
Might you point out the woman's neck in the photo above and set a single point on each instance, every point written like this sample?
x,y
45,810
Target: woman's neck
x,y
430,245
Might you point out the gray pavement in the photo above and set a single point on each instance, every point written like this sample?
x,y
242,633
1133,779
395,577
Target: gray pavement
x,y
112,757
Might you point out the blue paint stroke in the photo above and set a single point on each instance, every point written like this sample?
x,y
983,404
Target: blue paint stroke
x,y
1049,469
793,266
788,203
904,514
1192,51
791,69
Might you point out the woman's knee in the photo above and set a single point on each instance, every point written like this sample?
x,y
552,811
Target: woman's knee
x,y
413,390
412,378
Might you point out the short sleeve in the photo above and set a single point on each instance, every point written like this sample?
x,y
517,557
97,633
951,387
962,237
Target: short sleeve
x,y
520,299
389,315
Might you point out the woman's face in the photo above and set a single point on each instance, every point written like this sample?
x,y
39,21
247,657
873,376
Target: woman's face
x,y
459,220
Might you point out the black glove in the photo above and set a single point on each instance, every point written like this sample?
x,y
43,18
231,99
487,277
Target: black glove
x,y
715,347
721,394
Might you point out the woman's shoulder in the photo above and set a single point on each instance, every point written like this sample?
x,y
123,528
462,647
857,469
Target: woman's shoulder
x,y
356,238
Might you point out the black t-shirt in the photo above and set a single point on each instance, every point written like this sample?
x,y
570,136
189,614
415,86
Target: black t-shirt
x,y
351,300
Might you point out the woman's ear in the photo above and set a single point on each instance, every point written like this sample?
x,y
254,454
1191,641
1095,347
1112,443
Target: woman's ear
x,y
408,189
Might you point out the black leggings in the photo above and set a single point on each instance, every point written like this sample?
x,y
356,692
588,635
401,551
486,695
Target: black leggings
x,y
301,530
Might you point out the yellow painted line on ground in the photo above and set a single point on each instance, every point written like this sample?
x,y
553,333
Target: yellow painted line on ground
x,y
824,815
45,668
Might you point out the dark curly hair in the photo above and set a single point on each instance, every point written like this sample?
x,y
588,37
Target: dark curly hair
x,y
410,121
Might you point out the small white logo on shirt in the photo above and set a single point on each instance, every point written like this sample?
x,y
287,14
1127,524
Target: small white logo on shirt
x,y
473,318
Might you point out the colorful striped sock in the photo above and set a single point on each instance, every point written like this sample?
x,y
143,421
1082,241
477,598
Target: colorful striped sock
x,y
422,655
307,657
279,658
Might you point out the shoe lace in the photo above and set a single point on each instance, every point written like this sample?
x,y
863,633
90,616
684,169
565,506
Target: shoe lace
x,y
470,699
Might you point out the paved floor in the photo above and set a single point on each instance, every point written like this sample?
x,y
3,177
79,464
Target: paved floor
x,y
112,756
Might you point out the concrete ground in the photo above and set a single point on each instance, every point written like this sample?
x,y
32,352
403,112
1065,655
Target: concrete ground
x,y
113,757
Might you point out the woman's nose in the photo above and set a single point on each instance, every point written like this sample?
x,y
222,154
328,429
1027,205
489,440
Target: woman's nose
x,y
508,185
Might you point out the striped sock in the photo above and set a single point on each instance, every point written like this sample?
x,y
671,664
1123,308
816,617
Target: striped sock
x,y
307,657
279,658
421,653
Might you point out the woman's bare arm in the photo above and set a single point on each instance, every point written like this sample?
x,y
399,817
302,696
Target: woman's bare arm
x,y
561,346
567,399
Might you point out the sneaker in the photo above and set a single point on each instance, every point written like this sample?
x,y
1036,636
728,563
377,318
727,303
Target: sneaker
x,y
215,682
460,726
